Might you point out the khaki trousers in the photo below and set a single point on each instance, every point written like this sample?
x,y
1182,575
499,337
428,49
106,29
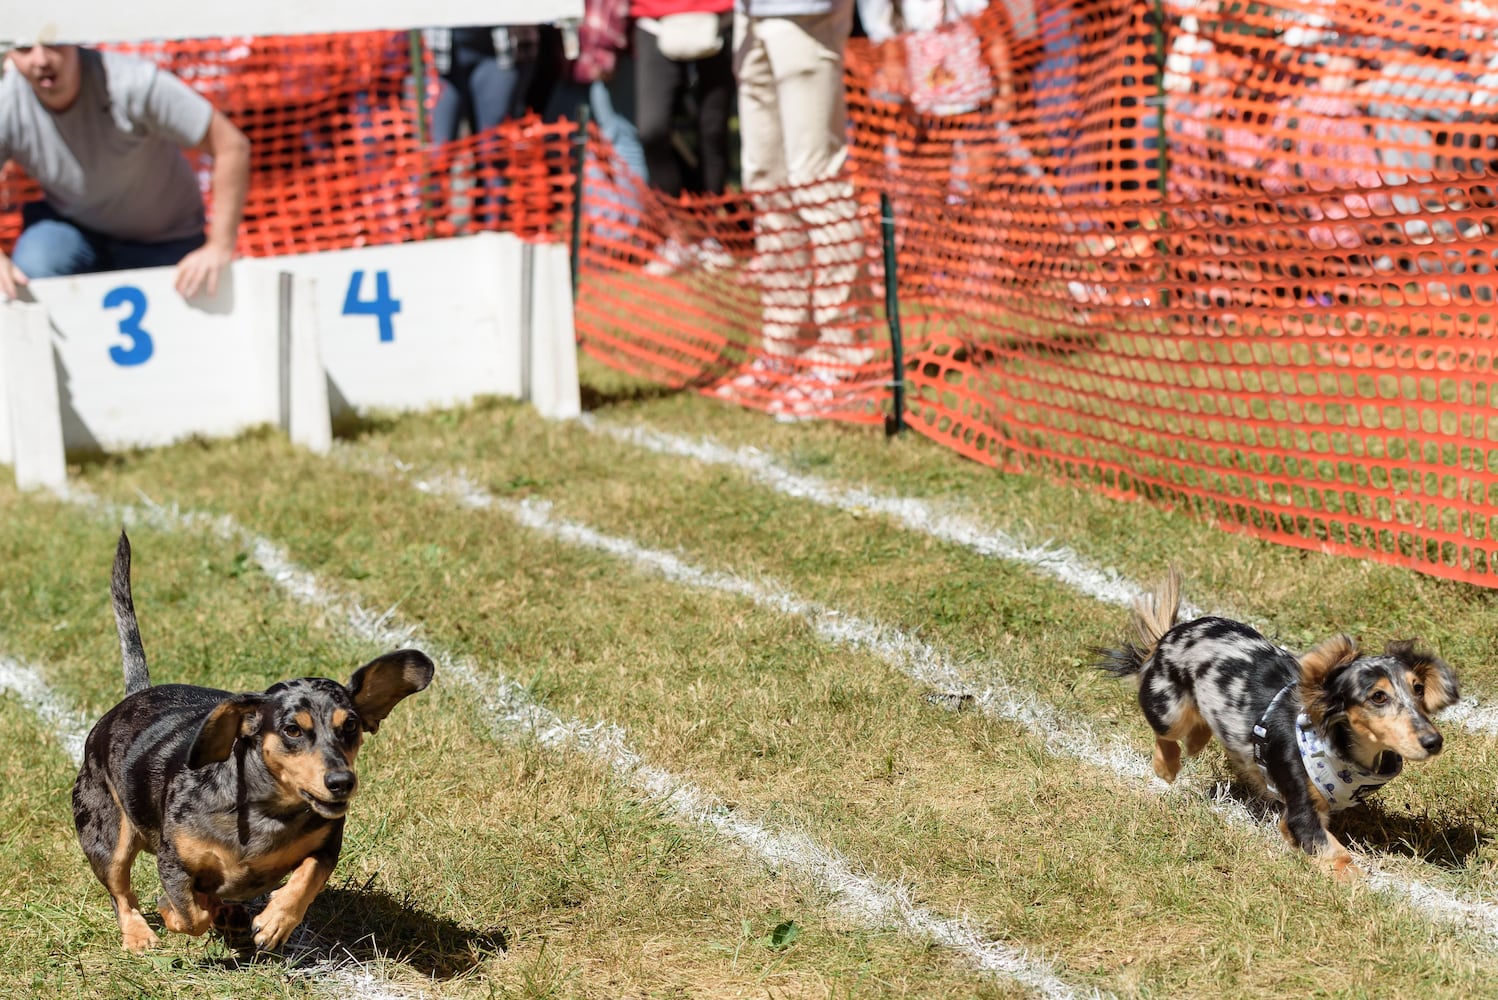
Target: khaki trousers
x,y
793,126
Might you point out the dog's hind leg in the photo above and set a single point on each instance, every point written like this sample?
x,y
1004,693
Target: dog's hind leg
x,y
1199,736
1173,715
111,843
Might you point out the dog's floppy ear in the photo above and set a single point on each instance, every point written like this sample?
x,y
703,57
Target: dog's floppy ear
x,y
1441,688
380,684
1317,696
230,719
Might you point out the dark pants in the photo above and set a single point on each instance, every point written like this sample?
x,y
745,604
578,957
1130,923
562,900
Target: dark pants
x,y
659,85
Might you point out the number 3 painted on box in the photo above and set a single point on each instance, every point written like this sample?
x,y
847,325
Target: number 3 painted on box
x,y
381,306
141,348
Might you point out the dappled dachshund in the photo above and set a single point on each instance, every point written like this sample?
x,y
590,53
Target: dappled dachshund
x,y
1318,733
231,792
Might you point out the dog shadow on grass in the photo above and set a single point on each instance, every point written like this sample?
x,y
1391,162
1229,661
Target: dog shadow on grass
x,y
1436,840
361,926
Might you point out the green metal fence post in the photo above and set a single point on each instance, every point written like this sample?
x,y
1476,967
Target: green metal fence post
x,y
419,82
417,53
579,170
1162,56
894,422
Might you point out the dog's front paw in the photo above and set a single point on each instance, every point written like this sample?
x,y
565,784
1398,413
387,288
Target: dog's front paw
x,y
139,937
1343,868
273,926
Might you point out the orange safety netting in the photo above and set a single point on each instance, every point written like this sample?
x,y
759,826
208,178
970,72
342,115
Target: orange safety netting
x,y
1258,286
1234,257
338,158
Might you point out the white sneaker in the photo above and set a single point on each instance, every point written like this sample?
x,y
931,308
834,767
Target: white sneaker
x,y
670,257
761,377
712,255
799,403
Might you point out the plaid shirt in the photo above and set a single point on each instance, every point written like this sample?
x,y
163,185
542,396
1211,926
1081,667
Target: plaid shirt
x,y
601,37
514,45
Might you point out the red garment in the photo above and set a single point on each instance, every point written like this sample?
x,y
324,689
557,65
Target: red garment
x,y
600,38
660,8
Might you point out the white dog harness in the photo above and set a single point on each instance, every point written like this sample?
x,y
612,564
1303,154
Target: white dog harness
x,y
1342,782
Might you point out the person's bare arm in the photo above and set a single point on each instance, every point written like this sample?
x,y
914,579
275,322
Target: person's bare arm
x,y
231,181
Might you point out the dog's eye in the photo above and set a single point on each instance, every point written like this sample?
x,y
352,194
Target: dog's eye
x,y
1379,698
1419,690
350,729
291,731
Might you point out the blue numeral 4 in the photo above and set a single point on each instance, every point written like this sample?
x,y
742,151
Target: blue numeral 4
x,y
381,306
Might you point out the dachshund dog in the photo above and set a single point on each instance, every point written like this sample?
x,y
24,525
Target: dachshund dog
x,y
231,792
1317,733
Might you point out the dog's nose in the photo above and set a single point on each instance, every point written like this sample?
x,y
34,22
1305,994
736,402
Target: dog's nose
x,y
1431,741
341,783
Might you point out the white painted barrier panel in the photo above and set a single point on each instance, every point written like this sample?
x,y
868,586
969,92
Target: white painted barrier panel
x,y
417,325
307,413
141,366
30,396
288,341
553,339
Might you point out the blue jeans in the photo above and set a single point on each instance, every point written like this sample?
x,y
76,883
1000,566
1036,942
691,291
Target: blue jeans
x,y
478,89
51,246
609,104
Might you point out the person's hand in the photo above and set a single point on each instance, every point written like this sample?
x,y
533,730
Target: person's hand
x,y
200,269
11,278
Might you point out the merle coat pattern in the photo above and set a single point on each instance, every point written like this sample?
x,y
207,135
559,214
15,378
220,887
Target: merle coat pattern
x,y
232,792
1218,677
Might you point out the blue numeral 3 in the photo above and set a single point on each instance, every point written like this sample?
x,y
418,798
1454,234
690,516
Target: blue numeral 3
x,y
140,349
381,306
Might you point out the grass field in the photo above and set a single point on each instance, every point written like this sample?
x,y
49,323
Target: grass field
x,y
724,708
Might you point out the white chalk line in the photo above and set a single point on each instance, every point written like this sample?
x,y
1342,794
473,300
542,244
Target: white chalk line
x,y
926,517
309,956
1062,736
876,902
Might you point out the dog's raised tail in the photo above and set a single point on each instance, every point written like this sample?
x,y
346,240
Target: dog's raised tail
x,y
1152,616
137,676
1155,612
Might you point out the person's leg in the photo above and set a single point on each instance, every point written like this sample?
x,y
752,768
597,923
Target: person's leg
x,y
807,62
50,246
656,81
449,111
715,85
781,258
496,91
613,109
809,68
761,139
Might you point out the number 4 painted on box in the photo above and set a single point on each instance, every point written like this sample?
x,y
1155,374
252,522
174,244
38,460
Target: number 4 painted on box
x,y
381,306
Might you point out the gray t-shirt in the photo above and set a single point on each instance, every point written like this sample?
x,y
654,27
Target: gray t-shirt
x,y
113,161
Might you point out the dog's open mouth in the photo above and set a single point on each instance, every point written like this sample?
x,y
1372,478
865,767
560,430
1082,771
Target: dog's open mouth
x,y
324,808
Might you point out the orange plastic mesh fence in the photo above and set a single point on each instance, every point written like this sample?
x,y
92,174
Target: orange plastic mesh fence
x,y
1259,286
338,161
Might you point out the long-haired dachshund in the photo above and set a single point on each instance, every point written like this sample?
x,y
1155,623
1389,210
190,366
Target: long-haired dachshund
x,y
231,792
1317,733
